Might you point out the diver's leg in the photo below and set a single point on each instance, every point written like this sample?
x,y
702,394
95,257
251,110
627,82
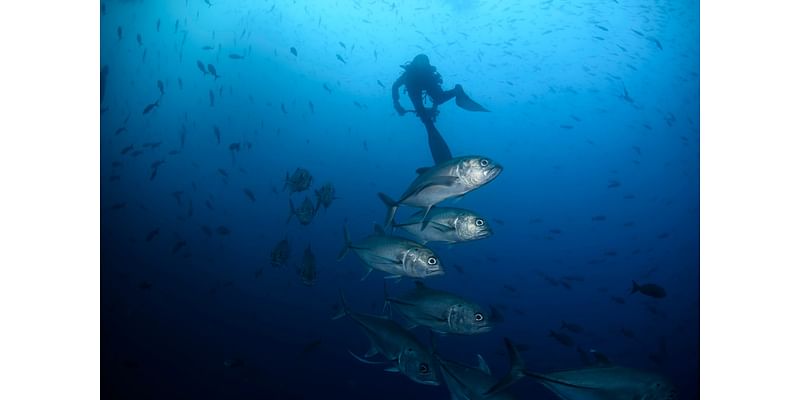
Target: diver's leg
x,y
440,96
422,113
439,149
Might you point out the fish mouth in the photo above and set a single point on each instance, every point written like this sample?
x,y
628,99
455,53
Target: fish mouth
x,y
435,272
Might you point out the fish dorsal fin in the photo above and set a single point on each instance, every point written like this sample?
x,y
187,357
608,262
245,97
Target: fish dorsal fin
x,y
379,230
483,366
422,170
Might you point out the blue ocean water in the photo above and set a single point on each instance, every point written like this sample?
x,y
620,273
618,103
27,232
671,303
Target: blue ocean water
x,y
594,117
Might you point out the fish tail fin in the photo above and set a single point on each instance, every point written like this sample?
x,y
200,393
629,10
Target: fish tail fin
x,y
516,372
291,211
344,309
392,208
634,287
387,305
347,244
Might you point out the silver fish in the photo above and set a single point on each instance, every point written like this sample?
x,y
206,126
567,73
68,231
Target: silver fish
x,y
304,214
440,311
280,254
299,181
401,349
394,255
308,267
448,225
450,179
595,383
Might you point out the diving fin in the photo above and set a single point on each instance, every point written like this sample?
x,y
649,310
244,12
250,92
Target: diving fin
x,y
463,101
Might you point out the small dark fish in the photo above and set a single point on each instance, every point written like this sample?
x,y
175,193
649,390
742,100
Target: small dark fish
x,y
150,107
510,288
562,338
120,130
599,218
657,42
178,246
222,230
119,33
207,47
283,108
602,28
566,127
311,106
293,51
234,56
213,71
280,253
565,284
177,195
327,89
613,184
152,234
343,46
649,289
222,172
139,39
217,135
211,98
339,57
629,196
160,86
381,84
126,149
574,328
627,333
311,346
249,194
158,25
637,32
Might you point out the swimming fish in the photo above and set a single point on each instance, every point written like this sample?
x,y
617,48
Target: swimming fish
x,y
441,311
595,383
450,179
447,225
401,349
394,255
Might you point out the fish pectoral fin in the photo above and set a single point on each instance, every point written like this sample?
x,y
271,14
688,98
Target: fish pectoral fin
x,y
441,227
435,181
369,270
393,277
483,366
392,369
372,352
365,361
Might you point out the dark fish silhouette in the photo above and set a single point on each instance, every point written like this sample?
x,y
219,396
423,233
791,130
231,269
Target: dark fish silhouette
x,y
649,289
339,57
160,86
150,107
210,98
217,135
234,56
280,253
178,246
293,51
249,194
562,338
152,234
119,33
202,67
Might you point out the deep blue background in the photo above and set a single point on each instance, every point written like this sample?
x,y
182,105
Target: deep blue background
x,y
553,73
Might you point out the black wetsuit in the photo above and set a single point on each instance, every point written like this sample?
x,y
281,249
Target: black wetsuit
x,y
419,79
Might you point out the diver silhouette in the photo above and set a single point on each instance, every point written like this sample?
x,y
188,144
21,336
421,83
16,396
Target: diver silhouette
x,y
420,76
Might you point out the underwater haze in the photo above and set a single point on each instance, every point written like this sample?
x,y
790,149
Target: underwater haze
x,y
211,110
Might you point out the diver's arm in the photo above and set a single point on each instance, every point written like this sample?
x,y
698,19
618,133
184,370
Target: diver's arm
x,y
396,94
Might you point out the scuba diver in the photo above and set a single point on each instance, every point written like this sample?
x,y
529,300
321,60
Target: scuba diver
x,y
420,76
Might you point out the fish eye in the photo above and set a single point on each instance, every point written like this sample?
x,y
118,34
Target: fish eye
x,y
479,222
484,162
432,260
478,317
423,368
